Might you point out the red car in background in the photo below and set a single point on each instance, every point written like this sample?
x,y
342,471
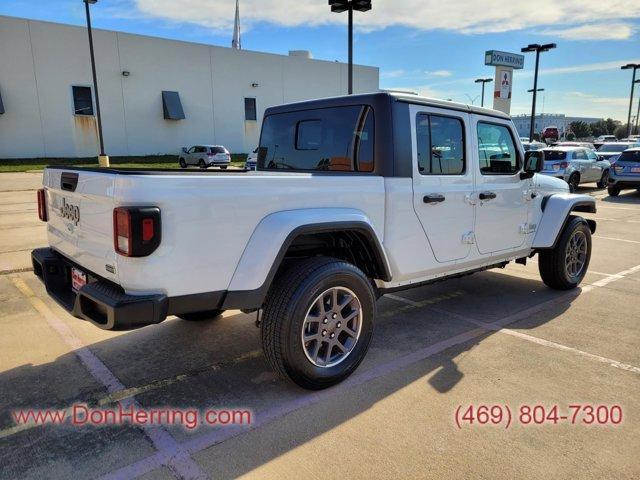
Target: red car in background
x,y
550,134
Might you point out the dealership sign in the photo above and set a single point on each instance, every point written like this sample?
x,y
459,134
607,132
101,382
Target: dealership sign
x,y
496,58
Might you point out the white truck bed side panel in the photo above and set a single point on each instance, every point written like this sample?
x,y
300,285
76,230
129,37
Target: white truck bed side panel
x,y
207,221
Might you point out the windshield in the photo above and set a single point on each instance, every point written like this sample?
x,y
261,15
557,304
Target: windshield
x,y
630,156
613,148
555,155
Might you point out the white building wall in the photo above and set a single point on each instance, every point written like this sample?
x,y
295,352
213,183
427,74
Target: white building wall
x,y
40,61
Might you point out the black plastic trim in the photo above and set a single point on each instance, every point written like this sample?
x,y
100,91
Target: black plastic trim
x,y
69,181
105,304
249,299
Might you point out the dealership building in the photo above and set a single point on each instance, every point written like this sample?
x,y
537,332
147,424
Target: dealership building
x,y
560,120
156,95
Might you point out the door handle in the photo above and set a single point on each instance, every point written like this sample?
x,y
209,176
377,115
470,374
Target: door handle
x,y
433,198
487,196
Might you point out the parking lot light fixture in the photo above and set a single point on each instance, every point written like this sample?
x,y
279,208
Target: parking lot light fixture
x,y
638,114
483,81
102,159
535,47
634,67
339,6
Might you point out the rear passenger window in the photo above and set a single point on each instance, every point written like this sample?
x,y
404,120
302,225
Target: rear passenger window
x,y
496,150
440,145
580,155
324,139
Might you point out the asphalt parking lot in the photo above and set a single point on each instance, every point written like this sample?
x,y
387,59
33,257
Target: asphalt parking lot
x,y
493,338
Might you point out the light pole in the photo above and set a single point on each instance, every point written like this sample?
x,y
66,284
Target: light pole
x,y
534,47
103,160
339,6
483,81
638,114
628,66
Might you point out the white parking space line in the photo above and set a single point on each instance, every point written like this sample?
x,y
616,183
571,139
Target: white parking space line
x,y
600,205
498,325
617,220
617,239
173,455
403,300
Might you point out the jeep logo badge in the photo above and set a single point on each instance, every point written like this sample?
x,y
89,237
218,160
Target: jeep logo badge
x,y
70,212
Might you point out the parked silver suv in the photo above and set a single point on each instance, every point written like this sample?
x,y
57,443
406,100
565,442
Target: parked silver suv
x,y
576,165
205,156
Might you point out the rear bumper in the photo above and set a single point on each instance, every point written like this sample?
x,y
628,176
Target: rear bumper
x,y
103,303
622,182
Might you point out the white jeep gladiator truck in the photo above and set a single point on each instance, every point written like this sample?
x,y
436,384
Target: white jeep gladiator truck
x,y
353,197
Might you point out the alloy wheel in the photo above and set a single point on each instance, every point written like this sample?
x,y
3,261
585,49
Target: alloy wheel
x,y
576,254
332,327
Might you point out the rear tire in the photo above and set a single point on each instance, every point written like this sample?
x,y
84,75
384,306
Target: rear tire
x,y
304,292
604,181
574,182
223,167
564,267
202,163
200,316
613,191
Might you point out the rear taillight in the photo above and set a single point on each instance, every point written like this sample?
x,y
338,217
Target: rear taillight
x,y
563,165
136,230
42,205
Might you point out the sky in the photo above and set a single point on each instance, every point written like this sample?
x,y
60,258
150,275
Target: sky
x,y
432,47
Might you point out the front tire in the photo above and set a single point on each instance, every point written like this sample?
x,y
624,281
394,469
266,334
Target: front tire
x,y
183,163
604,181
574,181
564,267
318,322
202,164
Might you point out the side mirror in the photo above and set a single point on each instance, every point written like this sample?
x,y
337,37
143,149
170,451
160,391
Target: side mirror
x,y
533,163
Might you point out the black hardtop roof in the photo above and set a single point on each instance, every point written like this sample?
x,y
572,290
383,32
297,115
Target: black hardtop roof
x,y
382,97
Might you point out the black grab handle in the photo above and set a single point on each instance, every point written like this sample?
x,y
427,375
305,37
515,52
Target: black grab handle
x,y
433,198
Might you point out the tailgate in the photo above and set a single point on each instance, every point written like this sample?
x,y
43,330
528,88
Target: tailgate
x,y
80,206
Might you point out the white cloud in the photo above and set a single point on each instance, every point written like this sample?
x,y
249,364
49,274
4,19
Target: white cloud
x,y
393,73
597,31
439,73
465,16
582,68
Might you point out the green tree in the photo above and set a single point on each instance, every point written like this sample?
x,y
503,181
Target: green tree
x,y
611,126
580,129
599,128
621,131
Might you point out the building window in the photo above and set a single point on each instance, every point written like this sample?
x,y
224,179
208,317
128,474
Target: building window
x,y
172,106
82,100
250,112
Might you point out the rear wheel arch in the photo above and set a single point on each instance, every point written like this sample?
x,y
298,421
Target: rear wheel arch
x,y
329,239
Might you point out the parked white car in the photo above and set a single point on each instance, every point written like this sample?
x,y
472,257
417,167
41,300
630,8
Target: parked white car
x,y
576,165
205,156
354,197
252,160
